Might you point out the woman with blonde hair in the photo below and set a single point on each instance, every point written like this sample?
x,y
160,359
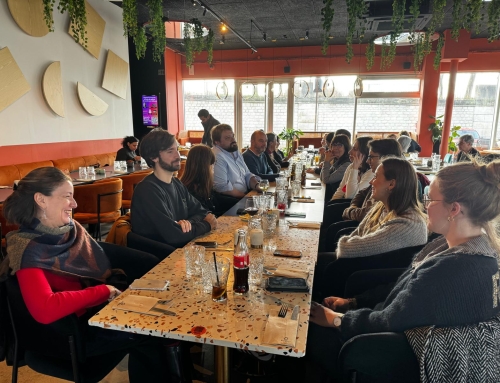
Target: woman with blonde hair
x,y
453,281
198,176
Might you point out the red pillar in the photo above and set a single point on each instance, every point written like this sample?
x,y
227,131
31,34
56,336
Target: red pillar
x,y
448,111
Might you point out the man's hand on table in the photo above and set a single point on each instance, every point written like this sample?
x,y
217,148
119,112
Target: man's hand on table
x,y
185,225
210,218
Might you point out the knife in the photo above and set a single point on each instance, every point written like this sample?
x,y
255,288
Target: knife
x,y
295,313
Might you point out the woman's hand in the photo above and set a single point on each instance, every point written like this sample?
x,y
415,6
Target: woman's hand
x,y
322,150
329,156
185,225
358,160
137,158
340,305
113,292
322,315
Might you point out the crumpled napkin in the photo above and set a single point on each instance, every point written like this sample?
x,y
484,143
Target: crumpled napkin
x,y
306,225
290,273
280,331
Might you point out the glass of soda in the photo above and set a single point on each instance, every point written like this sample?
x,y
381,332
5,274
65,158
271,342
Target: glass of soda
x,y
219,273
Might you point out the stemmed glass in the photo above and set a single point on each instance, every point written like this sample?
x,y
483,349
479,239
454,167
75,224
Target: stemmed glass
x,y
250,207
264,185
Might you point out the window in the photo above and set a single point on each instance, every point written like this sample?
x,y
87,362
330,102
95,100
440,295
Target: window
x,y
202,94
473,106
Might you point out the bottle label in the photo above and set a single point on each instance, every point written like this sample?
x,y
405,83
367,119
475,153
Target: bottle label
x,y
240,261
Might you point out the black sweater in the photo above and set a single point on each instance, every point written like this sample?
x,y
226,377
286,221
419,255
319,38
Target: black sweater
x,y
443,287
156,206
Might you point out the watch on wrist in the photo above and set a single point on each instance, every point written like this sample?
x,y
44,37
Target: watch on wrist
x,y
337,321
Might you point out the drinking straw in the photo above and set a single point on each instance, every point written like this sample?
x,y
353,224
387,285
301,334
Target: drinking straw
x,y
216,273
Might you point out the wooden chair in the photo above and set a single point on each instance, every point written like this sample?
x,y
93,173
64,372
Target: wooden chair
x,y
129,183
98,203
184,152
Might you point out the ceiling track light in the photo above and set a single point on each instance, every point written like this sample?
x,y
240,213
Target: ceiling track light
x,y
223,27
264,36
194,3
204,11
222,40
307,35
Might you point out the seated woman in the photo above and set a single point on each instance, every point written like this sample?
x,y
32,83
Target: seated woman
x,y
358,174
326,140
61,270
272,140
394,222
280,158
198,177
453,281
127,153
332,172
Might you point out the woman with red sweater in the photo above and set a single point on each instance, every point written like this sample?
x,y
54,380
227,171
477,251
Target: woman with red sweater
x,y
61,270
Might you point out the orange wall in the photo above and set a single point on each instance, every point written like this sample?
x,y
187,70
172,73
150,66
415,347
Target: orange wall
x,y
173,86
18,154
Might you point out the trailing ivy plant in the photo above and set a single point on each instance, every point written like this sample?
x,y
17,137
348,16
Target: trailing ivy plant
x,y
418,51
188,44
415,12
77,17
457,20
473,16
436,21
370,53
129,18
384,52
210,46
398,18
157,28
327,13
198,41
355,11
494,20
140,42
439,48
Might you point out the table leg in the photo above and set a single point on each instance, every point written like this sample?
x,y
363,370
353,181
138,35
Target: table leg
x,y
222,364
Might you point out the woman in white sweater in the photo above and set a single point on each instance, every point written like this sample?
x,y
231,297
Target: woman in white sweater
x,y
395,221
358,174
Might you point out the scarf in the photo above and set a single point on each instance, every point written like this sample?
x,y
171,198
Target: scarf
x,y
68,250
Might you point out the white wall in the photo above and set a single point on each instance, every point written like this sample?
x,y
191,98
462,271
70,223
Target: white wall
x,y
29,120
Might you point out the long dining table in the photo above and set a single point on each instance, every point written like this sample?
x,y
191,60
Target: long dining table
x,y
238,322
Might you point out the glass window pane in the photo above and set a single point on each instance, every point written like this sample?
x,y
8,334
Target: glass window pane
x,y
391,85
280,108
336,112
474,104
387,114
202,94
304,109
253,113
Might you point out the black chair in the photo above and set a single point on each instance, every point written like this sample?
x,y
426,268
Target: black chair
x,y
56,349
158,249
332,234
336,273
382,357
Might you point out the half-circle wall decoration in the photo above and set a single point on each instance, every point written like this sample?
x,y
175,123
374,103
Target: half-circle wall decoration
x,y
28,15
90,102
52,88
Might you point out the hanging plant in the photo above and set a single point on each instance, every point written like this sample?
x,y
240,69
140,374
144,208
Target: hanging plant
x,y
198,41
210,46
327,12
157,28
384,53
188,44
129,18
415,12
494,20
140,42
436,21
439,48
355,11
457,20
418,51
370,53
473,16
77,17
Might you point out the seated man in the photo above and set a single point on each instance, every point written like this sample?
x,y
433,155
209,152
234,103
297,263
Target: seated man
x,y
231,175
255,158
162,208
466,150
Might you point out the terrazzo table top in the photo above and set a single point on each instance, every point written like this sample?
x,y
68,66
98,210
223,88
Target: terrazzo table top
x,y
236,323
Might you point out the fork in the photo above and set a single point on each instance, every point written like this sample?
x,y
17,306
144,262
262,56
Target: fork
x,y
283,310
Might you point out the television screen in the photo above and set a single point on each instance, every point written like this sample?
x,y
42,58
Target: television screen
x,y
150,110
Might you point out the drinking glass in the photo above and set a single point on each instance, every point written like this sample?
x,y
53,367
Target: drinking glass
x,y
280,183
194,256
255,223
206,279
251,207
188,144
219,275
91,172
281,200
117,165
255,271
144,164
123,165
269,224
82,172
436,162
264,185
317,156
295,189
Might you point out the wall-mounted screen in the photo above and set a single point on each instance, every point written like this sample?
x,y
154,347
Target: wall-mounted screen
x,y
150,110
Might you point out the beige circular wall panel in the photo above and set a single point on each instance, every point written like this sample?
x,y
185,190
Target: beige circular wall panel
x,y
52,88
28,14
90,102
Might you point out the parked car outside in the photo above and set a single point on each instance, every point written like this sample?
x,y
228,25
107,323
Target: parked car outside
x,y
480,143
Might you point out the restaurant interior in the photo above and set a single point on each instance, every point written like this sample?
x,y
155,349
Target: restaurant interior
x,y
302,68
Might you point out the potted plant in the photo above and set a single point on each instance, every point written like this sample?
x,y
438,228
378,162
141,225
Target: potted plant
x,y
289,135
436,129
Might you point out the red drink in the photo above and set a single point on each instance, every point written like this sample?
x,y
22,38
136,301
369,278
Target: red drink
x,y
281,207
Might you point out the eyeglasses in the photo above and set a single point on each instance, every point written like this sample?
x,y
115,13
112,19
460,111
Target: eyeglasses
x,y
337,144
369,158
428,200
